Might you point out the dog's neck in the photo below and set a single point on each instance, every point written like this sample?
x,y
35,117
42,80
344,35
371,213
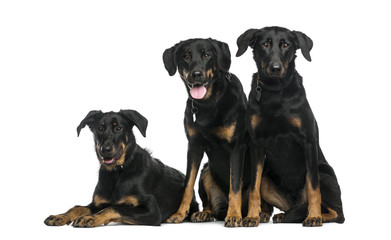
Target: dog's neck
x,y
289,94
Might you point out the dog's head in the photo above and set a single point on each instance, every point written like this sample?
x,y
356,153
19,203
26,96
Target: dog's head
x,y
113,135
199,62
274,49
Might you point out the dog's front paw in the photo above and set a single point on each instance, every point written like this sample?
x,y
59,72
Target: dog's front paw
x,y
177,217
87,221
277,218
233,221
204,216
312,222
57,220
265,217
251,221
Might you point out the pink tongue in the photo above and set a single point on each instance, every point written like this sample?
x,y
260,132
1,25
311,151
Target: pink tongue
x,y
198,92
108,161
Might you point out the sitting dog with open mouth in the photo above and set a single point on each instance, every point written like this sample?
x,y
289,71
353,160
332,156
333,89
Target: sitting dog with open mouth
x,y
133,187
214,124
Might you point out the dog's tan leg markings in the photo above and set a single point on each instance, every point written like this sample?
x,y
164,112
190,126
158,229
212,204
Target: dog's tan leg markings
x,y
204,216
210,188
68,217
254,202
183,209
314,217
330,216
103,217
234,213
271,194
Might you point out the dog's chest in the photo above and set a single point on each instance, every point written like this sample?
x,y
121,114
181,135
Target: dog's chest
x,y
114,187
264,126
285,159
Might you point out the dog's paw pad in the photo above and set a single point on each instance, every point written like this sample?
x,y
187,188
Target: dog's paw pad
x,y
57,220
312,222
204,216
233,221
251,221
277,218
176,218
264,217
86,221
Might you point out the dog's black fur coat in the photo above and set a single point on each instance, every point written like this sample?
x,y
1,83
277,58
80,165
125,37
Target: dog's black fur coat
x,y
296,177
133,187
215,125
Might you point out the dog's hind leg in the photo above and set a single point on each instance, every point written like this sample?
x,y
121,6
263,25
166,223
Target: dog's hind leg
x,y
214,201
234,213
331,195
293,215
299,213
204,192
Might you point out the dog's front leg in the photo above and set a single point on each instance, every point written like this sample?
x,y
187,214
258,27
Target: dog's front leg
x,y
194,156
234,213
257,157
314,217
142,210
69,216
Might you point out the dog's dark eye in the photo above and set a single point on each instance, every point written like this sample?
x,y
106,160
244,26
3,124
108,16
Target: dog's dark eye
x,y
117,129
265,44
101,128
206,56
285,45
186,57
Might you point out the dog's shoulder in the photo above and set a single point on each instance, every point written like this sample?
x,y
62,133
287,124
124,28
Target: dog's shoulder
x,y
141,159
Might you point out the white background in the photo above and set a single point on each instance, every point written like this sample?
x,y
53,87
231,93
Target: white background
x,y
61,59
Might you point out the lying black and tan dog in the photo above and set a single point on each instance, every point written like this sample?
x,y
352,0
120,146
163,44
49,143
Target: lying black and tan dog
x,y
214,124
296,177
133,187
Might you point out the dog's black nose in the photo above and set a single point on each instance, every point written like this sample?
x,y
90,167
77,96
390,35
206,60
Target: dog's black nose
x,y
196,74
276,69
105,149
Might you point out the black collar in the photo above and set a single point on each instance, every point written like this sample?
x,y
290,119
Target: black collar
x,y
261,86
118,168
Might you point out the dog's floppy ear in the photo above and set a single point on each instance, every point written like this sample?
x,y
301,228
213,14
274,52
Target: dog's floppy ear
x,y
88,120
245,40
169,59
305,43
223,54
136,119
